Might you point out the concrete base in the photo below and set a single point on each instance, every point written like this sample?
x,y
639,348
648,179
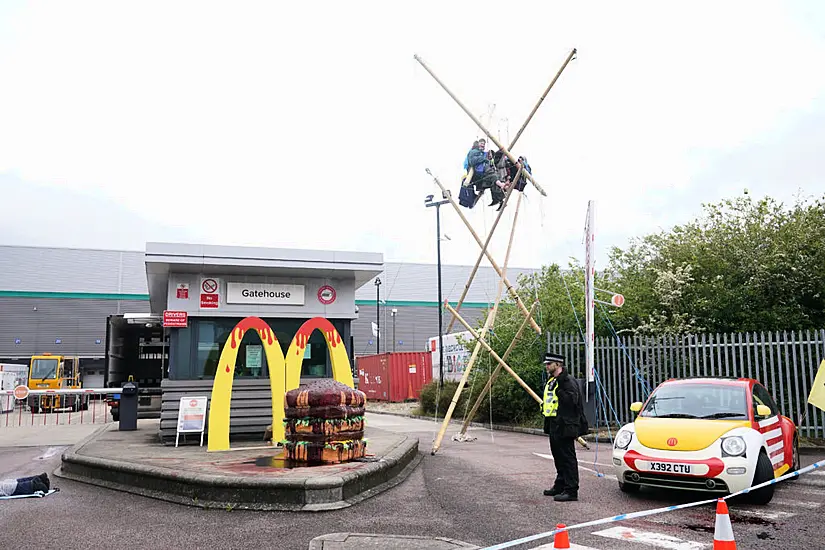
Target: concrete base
x,y
138,463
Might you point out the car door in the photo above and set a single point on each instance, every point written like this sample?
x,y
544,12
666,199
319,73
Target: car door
x,y
774,428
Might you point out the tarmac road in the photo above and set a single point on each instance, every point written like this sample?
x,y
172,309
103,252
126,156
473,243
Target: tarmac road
x,y
482,492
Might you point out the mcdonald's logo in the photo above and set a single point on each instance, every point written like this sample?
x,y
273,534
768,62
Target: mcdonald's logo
x,y
284,372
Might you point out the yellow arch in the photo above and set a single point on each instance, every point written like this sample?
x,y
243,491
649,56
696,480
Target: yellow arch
x,y
284,373
218,439
341,368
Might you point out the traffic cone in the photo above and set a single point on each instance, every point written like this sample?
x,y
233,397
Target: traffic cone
x,y
723,533
561,539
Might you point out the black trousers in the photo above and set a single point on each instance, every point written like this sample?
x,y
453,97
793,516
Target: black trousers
x,y
567,466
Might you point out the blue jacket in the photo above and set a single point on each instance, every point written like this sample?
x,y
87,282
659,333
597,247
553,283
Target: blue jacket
x,y
477,159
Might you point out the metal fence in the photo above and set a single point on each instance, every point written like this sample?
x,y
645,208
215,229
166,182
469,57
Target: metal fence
x,y
88,407
629,367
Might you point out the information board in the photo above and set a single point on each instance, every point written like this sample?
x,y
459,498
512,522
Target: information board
x,y
191,416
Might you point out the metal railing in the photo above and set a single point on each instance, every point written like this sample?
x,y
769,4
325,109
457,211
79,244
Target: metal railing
x,y
45,408
785,362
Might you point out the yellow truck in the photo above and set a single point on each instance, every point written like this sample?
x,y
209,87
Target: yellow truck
x,y
55,372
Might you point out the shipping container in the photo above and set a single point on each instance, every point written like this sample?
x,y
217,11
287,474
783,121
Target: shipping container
x,y
394,377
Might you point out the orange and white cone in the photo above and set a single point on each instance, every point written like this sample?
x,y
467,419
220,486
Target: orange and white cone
x,y
723,533
561,539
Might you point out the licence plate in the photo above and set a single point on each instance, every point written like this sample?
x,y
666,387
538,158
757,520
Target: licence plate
x,y
670,467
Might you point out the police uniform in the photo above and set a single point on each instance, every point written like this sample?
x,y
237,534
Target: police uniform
x,y
563,416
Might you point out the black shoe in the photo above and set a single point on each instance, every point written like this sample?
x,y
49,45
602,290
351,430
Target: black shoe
x,y
38,485
552,492
500,206
44,477
566,497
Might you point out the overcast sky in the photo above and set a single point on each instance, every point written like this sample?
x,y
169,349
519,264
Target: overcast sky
x,y
311,125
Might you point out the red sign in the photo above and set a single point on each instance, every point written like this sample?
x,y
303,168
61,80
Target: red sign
x,y
209,301
672,441
175,319
326,295
617,300
21,392
182,291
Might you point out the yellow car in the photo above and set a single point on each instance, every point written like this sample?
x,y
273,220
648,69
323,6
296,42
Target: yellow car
x,y
715,435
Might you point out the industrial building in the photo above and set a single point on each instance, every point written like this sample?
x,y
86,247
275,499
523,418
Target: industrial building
x,y
81,302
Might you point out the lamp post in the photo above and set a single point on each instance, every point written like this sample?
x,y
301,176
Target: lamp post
x,y
378,315
393,312
428,202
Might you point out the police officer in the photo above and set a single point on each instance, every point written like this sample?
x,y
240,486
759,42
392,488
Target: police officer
x,y
563,411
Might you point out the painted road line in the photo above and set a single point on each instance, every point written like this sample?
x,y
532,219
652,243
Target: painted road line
x,y
796,503
605,476
772,515
657,540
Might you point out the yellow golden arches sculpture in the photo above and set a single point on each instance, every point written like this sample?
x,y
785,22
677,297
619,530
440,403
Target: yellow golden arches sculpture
x,y
284,372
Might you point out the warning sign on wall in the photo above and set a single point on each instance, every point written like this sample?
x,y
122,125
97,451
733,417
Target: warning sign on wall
x,y
210,293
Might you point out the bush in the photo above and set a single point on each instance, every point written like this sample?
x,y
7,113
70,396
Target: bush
x,y
429,392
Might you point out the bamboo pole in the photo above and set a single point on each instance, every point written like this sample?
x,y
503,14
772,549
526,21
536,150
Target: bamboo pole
x,y
544,95
491,316
478,123
492,352
483,249
495,265
493,376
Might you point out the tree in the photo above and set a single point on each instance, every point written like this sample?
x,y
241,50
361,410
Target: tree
x,y
743,265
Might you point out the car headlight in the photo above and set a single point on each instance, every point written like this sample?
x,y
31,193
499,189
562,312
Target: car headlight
x,y
733,446
623,439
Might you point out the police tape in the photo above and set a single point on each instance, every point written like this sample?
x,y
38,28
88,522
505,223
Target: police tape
x,y
644,513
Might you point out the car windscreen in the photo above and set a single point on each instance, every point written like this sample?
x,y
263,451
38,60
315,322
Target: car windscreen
x,y
44,368
706,401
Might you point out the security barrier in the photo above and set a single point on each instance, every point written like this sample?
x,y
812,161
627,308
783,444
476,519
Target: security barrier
x,y
89,409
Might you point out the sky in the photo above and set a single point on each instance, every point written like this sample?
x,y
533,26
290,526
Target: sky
x,y
310,125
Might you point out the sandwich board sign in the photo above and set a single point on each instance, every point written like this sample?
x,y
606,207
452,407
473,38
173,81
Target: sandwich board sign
x,y
191,416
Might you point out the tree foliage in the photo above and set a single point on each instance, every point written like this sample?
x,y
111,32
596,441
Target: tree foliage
x,y
742,265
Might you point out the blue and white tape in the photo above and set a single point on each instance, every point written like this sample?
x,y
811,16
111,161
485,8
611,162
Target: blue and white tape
x,y
643,513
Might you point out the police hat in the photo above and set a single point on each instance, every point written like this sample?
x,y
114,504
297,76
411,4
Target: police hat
x,y
553,358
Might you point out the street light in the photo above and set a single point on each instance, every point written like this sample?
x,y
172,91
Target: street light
x,y
428,202
378,315
394,312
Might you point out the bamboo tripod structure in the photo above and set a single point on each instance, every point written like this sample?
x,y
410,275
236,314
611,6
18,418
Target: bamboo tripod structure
x,y
503,282
491,316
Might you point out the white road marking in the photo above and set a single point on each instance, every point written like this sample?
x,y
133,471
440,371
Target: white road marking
x,y
775,515
606,476
649,538
796,503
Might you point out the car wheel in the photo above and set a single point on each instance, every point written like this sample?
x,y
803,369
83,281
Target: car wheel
x,y
763,473
629,488
795,464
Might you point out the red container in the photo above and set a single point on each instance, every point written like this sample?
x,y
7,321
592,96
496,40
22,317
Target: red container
x,y
394,377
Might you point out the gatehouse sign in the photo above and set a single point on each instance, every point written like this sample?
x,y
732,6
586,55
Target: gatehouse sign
x,y
284,372
265,294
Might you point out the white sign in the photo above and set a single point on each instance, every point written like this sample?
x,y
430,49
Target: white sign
x,y
455,355
265,293
253,358
191,416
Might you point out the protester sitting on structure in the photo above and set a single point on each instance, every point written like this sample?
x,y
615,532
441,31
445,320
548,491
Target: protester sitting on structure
x,y
484,174
24,486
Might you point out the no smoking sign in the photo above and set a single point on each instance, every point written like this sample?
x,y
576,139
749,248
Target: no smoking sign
x,y
209,286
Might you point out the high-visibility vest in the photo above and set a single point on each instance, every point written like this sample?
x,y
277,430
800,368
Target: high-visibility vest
x,y
550,406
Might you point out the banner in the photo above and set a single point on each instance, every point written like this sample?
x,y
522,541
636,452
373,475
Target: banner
x,y
817,395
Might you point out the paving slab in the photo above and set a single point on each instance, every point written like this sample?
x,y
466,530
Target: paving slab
x,y
252,476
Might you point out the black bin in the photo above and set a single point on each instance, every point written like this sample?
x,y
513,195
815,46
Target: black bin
x,y
128,406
